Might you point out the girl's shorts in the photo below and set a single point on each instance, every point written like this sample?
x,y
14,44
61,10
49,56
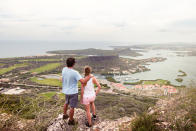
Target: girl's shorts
x,y
88,99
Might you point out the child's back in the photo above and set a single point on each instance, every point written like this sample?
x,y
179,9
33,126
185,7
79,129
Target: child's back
x,y
89,90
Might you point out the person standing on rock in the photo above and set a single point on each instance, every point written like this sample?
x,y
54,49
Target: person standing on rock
x,y
88,95
70,78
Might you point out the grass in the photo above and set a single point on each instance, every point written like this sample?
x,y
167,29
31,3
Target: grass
x,y
179,114
158,81
144,122
182,113
49,95
149,82
37,107
111,79
45,68
39,60
133,83
50,82
1,64
10,68
18,105
43,107
111,106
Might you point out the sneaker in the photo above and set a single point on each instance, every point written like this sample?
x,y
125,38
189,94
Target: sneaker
x,y
88,125
65,117
73,122
94,117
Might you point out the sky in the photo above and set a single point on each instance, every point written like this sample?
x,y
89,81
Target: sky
x,y
99,20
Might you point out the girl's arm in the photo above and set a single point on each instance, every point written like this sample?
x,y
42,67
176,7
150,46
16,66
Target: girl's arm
x,y
82,93
98,85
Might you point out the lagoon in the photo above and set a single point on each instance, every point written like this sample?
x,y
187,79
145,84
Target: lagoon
x,y
168,69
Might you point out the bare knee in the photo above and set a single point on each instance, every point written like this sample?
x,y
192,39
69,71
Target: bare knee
x,y
87,107
92,103
71,109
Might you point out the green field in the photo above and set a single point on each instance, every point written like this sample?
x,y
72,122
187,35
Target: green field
x,y
149,82
50,82
39,60
47,67
158,81
1,64
5,70
133,83
49,95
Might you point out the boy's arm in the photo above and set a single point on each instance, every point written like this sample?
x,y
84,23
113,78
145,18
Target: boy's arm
x,y
86,79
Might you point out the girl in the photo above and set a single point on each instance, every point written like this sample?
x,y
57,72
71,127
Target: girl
x,y
88,95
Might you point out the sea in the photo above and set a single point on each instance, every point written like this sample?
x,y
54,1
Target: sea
x,y
31,48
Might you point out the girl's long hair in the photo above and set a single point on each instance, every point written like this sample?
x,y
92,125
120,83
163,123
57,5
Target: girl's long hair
x,y
87,70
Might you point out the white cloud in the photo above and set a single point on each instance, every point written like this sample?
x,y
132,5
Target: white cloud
x,y
97,20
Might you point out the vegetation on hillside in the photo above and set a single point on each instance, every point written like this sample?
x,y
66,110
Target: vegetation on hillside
x,y
177,114
45,68
111,79
38,60
182,73
44,106
149,82
50,82
179,79
99,52
10,68
38,108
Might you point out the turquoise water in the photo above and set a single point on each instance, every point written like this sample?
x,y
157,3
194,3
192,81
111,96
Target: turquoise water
x,y
168,69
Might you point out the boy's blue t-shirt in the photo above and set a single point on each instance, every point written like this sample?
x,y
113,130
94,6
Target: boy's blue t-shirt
x,y
70,81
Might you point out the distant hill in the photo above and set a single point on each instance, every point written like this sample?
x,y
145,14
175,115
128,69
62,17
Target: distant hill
x,y
100,63
97,52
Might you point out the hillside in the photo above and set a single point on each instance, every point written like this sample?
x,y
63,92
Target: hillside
x,y
97,52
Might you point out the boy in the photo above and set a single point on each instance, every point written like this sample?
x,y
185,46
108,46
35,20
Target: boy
x,y
70,78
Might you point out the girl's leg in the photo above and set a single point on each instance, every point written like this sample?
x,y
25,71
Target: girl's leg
x,y
88,114
93,108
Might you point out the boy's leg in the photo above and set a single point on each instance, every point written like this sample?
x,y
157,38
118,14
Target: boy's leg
x,y
65,109
88,114
71,114
73,102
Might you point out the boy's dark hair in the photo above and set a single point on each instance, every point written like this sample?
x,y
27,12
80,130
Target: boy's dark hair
x,y
70,62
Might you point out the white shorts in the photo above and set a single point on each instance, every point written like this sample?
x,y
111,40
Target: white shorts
x,y
88,99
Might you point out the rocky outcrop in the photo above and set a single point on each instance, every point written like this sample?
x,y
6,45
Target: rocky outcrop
x,y
59,124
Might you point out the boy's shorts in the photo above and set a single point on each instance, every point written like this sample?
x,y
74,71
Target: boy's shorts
x,y
71,100
88,99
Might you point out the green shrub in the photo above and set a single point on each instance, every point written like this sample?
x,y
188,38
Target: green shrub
x,y
144,122
111,79
179,79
